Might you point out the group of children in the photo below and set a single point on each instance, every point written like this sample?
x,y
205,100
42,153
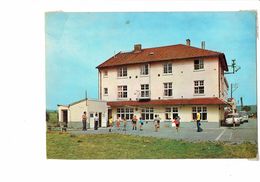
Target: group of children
x,y
123,120
175,123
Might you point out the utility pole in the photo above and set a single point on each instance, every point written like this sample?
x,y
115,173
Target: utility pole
x,y
233,88
241,100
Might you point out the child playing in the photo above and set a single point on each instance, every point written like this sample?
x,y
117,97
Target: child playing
x,y
110,124
156,123
177,122
141,124
118,123
124,122
134,120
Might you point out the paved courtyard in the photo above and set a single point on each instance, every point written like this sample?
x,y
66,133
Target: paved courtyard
x,y
246,132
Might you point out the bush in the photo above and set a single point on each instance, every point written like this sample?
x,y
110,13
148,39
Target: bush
x,y
52,118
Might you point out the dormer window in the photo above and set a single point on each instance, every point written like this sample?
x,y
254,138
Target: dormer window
x,y
198,64
145,69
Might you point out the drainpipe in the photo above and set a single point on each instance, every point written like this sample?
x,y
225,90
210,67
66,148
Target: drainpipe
x,y
219,88
99,85
150,86
218,77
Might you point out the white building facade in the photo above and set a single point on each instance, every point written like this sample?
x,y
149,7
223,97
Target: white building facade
x,y
165,81
72,113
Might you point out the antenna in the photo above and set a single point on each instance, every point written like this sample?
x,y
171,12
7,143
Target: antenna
x,y
234,67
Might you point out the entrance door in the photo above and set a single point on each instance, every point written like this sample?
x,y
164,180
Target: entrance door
x,y
65,116
99,119
109,116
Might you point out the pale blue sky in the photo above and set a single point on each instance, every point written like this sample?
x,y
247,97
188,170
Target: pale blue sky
x,y
77,42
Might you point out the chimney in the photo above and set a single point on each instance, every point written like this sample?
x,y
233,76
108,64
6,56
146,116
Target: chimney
x,y
203,45
137,48
188,42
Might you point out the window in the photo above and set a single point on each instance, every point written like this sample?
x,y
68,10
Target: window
x,y
105,91
199,87
122,91
202,111
145,69
126,113
167,89
105,73
174,112
198,64
147,114
171,112
122,72
167,68
145,90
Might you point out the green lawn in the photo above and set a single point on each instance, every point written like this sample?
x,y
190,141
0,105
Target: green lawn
x,y
117,146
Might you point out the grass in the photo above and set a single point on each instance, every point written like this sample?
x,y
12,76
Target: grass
x,y
118,146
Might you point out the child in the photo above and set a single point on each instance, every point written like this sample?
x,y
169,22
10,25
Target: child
x,y
124,122
177,123
110,124
141,124
118,123
134,120
156,123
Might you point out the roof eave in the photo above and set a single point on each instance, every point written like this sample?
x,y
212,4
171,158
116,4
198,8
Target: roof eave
x,y
153,61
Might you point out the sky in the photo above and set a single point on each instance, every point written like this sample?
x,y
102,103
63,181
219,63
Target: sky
x,y
78,42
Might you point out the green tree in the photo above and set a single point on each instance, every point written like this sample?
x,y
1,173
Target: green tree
x,y
246,108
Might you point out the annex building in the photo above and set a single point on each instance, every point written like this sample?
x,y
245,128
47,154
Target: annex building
x,y
166,81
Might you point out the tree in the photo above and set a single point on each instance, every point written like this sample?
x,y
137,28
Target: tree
x,y
47,116
246,108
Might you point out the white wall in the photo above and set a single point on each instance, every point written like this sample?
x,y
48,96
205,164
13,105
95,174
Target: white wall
x,y
183,78
76,110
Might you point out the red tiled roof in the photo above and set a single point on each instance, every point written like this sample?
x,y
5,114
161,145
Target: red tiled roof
x,y
173,52
194,101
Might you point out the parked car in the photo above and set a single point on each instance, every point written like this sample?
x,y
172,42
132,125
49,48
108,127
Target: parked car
x,y
244,116
229,119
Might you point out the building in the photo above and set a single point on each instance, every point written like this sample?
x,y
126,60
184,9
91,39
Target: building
x,y
166,81
71,114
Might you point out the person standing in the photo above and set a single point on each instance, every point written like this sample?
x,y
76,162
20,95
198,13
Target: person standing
x,y
199,129
156,123
124,123
96,122
118,123
84,121
177,123
134,121
141,121
110,123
